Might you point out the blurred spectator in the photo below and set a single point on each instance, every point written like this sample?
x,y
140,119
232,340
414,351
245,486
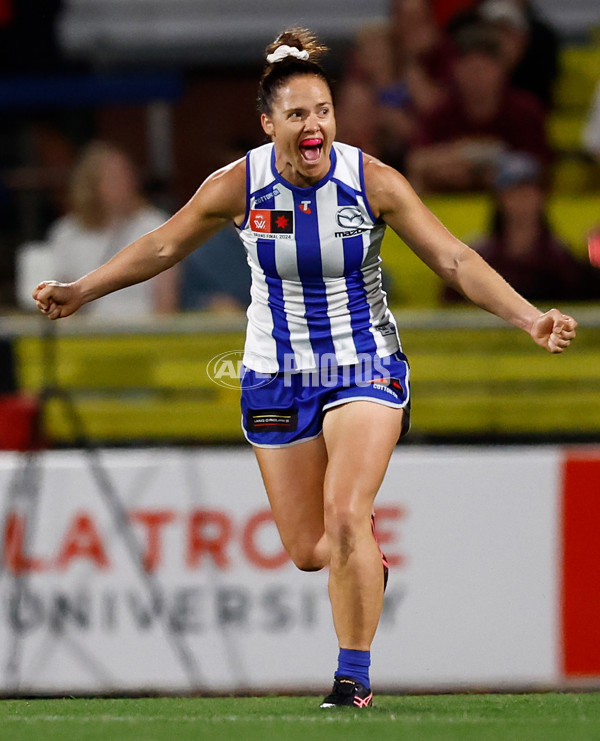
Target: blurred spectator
x,y
36,151
445,11
216,277
108,212
591,131
529,40
521,245
398,72
530,46
460,142
591,145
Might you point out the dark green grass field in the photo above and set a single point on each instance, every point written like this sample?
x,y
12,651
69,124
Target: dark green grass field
x,y
477,717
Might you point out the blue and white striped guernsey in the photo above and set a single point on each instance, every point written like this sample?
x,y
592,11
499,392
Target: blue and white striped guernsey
x,y
316,290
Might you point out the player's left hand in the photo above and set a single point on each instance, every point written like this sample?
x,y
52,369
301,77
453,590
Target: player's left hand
x,y
553,330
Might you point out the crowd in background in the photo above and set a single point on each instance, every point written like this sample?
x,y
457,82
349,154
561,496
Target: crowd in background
x,y
456,95
464,107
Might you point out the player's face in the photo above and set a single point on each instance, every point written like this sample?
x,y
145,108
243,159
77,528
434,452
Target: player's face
x,y
302,126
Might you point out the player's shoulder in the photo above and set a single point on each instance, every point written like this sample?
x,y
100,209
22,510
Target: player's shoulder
x,y
382,180
224,191
230,174
375,170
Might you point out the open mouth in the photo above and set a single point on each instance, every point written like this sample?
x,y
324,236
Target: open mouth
x,y
311,149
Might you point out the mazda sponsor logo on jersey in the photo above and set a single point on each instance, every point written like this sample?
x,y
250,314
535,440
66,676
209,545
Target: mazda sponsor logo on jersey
x,y
268,221
351,219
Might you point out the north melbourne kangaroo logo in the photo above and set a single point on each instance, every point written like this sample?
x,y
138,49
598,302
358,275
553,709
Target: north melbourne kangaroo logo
x,y
350,217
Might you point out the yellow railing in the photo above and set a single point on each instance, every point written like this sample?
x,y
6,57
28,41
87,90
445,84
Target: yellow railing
x,y
471,375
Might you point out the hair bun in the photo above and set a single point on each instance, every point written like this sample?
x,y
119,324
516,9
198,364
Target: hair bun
x,y
293,42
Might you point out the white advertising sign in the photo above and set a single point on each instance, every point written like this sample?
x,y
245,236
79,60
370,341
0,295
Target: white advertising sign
x,y
161,570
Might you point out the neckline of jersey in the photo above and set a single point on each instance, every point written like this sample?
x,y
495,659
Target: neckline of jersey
x,y
298,188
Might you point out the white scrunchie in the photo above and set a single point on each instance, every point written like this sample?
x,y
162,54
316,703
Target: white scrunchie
x,y
284,51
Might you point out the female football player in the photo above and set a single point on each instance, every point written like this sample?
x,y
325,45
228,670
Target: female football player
x,y
325,388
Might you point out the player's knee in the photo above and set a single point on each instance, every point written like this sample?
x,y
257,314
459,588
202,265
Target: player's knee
x,y
343,524
308,561
309,558
309,565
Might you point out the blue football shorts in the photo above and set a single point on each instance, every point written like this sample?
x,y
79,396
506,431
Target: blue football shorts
x,y
281,409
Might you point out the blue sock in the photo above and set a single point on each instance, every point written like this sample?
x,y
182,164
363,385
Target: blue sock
x,y
354,664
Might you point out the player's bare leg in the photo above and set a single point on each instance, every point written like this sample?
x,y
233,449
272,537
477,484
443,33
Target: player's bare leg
x,y
294,478
321,494
360,437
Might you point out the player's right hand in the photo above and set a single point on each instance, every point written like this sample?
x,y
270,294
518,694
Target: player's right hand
x,y
57,300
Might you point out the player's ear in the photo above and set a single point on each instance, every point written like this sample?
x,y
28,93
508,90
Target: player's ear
x,y
267,124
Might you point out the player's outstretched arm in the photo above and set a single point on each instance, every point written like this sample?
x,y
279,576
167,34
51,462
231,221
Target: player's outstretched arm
x,y
392,198
220,199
